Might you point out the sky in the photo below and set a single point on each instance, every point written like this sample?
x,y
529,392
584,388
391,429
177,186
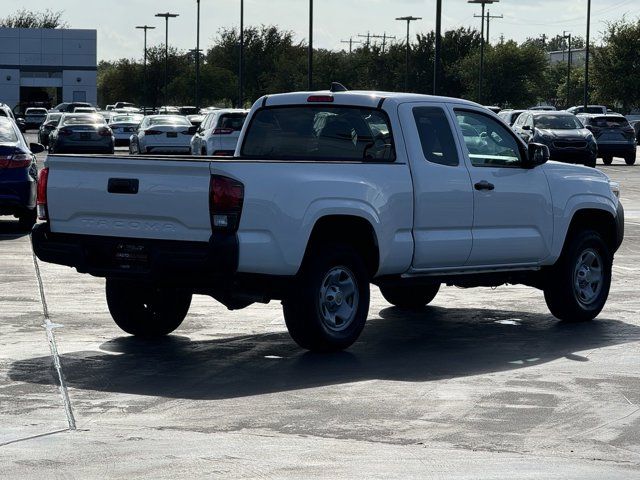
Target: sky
x,y
335,20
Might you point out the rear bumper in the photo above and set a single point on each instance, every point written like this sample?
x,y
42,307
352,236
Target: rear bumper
x,y
16,197
616,149
186,263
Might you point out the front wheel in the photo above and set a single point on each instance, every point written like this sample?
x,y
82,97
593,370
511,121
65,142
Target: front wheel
x,y
630,160
410,297
328,307
591,162
577,287
145,310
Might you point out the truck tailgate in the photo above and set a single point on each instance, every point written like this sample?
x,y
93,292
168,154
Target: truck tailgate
x,y
132,197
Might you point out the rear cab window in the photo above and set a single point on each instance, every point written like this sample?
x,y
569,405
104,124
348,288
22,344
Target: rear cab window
x,y
232,121
609,122
319,133
436,137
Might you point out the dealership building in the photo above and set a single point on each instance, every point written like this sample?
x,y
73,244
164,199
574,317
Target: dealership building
x,y
47,65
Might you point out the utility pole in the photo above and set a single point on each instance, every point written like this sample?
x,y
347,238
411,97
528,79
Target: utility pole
x,y
310,74
544,40
198,56
481,78
586,63
437,57
145,93
384,38
566,36
166,17
408,19
351,42
241,58
368,37
489,17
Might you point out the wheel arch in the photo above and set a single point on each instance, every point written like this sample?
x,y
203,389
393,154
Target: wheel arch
x,y
602,221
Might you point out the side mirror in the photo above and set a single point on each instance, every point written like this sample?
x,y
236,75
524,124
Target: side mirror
x,y
538,154
193,130
526,127
36,148
589,127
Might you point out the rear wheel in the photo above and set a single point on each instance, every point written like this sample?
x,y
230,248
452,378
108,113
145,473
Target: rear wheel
x,y
145,310
578,285
607,160
410,297
630,159
328,307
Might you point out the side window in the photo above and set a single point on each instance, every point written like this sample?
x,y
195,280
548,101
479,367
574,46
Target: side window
x,y
435,135
489,143
529,121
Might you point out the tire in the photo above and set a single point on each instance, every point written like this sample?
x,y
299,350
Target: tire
x,y
607,160
333,279
410,297
27,220
568,293
591,162
144,310
203,152
630,160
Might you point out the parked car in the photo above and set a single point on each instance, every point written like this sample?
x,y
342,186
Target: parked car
x,y
219,132
168,111
615,136
34,117
81,132
567,138
510,116
68,107
324,197
196,120
636,127
546,108
494,109
85,110
5,111
601,109
123,126
49,125
188,110
162,134
18,174
119,105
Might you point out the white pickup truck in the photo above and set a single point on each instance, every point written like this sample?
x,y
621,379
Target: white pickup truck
x,y
327,193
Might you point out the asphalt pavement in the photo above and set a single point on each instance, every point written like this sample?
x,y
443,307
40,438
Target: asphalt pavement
x,y
483,384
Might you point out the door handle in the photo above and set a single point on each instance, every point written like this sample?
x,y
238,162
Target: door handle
x,y
123,186
484,185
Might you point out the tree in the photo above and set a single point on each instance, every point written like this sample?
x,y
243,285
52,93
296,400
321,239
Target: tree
x,y
29,19
616,65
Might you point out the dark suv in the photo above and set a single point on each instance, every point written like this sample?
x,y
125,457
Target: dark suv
x,y
18,174
615,136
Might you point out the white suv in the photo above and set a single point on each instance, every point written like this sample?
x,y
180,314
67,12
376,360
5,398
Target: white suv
x,y
218,133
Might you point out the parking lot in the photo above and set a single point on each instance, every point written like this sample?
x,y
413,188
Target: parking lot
x,y
482,384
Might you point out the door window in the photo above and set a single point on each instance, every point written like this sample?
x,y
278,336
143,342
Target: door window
x,y
435,135
488,142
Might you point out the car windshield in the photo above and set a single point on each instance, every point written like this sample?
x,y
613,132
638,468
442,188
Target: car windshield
x,y
126,118
169,120
36,111
7,132
557,122
83,120
609,122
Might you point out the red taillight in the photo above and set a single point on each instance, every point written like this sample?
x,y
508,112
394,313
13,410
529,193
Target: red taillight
x,y
20,160
104,132
320,99
64,132
226,197
43,179
223,153
153,132
222,131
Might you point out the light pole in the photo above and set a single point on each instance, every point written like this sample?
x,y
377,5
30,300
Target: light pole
x,y
310,73
566,36
436,58
166,17
198,57
408,19
241,59
483,3
144,68
586,63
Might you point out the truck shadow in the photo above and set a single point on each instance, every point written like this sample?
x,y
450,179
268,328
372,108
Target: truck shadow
x,y
10,229
416,347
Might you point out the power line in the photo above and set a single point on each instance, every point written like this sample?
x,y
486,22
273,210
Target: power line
x,y
351,42
384,38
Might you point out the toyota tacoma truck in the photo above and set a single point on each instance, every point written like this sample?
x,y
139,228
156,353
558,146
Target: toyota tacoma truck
x,y
327,193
